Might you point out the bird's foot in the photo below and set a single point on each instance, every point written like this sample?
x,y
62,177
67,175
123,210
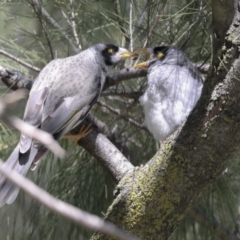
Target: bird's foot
x,y
83,132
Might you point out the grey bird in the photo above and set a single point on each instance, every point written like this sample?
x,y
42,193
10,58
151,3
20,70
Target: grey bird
x,y
61,97
174,87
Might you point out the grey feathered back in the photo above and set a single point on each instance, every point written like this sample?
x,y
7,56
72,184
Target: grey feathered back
x,y
61,96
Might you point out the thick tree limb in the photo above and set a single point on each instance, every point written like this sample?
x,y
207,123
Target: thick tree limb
x,y
188,163
107,154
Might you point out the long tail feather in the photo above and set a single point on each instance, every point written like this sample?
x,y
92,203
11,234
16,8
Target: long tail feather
x,y
8,191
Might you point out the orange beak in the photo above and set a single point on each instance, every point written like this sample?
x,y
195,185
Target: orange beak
x,y
141,65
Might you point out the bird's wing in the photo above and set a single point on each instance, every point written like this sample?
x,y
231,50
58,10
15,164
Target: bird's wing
x,y
60,98
67,111
32,116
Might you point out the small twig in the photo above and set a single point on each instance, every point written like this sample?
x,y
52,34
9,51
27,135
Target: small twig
x,y
53,22
19,80
153,24
73,25
131,28
25,64
120,23
39,16
143,13
64,209
41,136
121,115
123,75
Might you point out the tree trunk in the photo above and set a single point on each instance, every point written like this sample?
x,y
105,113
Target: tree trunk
x,y
152,200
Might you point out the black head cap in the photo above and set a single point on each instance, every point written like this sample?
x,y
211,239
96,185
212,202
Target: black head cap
x,y
160,52
108,52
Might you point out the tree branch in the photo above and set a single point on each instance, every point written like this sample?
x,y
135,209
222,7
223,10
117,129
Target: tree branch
x,y
25,64
55,24
189,161
41,136
38,12
106,153
65,210
121,115
15,79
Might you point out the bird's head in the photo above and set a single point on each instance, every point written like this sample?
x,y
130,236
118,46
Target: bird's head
x,y
154,54
113,54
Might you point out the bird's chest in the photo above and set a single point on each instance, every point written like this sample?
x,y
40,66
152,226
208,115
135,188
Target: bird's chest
x,y
171,85
79,83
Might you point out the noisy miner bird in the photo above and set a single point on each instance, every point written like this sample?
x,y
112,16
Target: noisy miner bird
x,y
61,97
174,87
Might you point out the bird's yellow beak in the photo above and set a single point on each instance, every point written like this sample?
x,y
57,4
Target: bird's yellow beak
x,y
141,65
128,54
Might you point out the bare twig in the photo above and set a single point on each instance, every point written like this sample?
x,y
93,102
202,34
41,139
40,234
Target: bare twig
x,y
45,32
154,23
25,64
41,136
142,15
123,75
15,78
130,25
120,23
64,209
18,80
121,115
131,28
53,22
73,25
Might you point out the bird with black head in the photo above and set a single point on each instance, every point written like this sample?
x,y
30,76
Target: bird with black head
x,y
61,97
174,87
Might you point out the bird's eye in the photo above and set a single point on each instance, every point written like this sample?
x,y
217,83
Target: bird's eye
x,y
160,54
110,50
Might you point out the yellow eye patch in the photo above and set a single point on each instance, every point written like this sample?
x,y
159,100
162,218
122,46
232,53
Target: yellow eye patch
x,y
110,50
160,55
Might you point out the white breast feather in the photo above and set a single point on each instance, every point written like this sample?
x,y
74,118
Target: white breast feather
x,y
171,95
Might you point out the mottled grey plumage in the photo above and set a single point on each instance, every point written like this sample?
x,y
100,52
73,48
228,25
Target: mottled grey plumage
x,y
61,97
174,87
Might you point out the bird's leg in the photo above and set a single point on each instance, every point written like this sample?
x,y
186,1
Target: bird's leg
x,y
83,132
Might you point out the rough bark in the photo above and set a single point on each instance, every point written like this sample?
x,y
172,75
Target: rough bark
x,y
153,199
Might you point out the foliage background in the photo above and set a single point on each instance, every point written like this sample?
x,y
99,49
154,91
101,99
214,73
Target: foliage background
x,y
29,35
